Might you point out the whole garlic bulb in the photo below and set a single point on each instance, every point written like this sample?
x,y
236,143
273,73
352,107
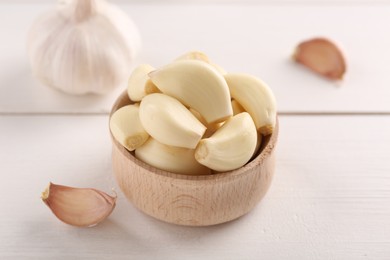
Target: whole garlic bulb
x,y
83,46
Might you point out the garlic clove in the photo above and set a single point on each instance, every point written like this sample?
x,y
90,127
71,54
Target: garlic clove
x,y
231,146
170,122
198,85
170,158
237,109
126,127
321,56
256,98
139,83
82,207
64,47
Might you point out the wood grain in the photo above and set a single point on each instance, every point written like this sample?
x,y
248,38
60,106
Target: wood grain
x,y
193,200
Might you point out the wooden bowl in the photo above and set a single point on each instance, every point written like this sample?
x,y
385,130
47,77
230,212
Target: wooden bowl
x,y
193,200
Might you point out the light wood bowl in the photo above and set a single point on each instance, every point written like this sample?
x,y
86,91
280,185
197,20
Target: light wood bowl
x,y
193,200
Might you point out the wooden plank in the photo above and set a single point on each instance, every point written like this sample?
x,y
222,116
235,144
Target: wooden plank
x,y
257,39
329,199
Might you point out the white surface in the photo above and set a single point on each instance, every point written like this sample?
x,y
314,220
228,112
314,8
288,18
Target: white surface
x,y
256,39
329,200
331,194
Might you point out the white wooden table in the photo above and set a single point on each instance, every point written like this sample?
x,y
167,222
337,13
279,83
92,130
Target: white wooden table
x,y
330,198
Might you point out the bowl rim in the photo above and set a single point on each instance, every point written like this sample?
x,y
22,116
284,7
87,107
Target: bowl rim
x,y
265,152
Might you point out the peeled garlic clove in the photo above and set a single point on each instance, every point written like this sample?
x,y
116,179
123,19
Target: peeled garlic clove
x,y
139,84
198,85
78,206
83,46
170,122
256,98
170,158
231,146
321,56
237,109
126,127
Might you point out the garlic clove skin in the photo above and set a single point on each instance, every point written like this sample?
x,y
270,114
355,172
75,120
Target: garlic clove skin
x,y
321,56
83,47
81,207
169,158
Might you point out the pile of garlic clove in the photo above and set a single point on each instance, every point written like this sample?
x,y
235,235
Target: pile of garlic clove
x,y
191,117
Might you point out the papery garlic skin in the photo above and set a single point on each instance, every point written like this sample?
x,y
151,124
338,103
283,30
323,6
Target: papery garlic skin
x,y
82,207
83,47
321,56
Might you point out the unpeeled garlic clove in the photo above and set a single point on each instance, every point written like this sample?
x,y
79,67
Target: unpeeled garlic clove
x,y
321,56
78,206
